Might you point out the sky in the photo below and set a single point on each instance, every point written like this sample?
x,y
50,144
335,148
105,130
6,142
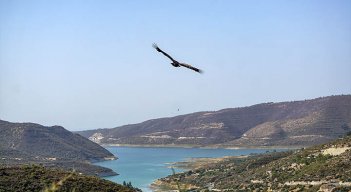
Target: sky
x,y
86,64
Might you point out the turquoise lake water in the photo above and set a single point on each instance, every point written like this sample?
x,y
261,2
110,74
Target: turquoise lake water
x,y
142,165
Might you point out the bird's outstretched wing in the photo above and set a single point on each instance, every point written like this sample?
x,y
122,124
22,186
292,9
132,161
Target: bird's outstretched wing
x,y
154,45
176,63
191,67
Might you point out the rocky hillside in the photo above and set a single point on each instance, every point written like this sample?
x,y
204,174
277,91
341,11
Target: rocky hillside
x,y
325,168
55,141
23,143
295,123
38,178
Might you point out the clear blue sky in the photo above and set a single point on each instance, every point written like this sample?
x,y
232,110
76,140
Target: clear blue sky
x,y
87,64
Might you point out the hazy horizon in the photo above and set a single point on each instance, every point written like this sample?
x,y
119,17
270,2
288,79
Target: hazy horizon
x,y
171,115
89,64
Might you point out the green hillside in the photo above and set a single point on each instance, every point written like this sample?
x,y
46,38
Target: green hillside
x,y
325,166
38,178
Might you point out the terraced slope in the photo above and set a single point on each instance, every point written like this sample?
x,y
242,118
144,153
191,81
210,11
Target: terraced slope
x,y
297,123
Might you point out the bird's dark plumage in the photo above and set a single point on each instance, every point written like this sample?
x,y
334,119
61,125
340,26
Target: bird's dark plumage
x,y
175,63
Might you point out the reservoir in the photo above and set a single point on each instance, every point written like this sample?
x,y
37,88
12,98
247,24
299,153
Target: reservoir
x,y
143,165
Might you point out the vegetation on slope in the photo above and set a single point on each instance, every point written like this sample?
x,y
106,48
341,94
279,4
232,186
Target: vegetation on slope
x,y
38,178
325,167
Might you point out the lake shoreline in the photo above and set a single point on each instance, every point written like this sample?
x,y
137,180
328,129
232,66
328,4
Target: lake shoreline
x,y
143,165
190,164
203,147
198,162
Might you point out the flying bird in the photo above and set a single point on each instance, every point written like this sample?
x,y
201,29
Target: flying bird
x,y
175,63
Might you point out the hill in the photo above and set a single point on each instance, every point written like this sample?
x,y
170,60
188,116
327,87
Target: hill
x,y
23,143
38,178
297,123
325,167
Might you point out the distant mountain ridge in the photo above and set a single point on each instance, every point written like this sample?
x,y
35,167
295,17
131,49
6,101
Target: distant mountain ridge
x,y
293,123
23,143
